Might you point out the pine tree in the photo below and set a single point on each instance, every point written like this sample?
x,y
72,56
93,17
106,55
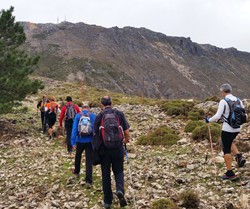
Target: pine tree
x,y
15,64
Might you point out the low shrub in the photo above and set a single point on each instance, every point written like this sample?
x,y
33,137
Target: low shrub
x,y
197,114
213,98
190,199
191,125
164,204
201,132
94,104
177,107
161,136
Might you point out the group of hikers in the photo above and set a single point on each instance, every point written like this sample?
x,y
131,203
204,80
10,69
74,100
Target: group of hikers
x,y
103,137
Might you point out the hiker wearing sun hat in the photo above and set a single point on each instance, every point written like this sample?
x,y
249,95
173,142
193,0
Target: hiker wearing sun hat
x,y
232,113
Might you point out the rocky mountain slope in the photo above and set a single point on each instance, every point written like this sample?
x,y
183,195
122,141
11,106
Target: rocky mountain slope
x,y
36,172
119,59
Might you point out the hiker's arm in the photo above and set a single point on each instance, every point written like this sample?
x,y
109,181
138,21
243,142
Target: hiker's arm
x,y
39,105
74,131
219,112
77,109
62,115
126,136
97,124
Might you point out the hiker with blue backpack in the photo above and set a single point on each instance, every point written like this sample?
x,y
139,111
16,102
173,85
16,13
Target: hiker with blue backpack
x,y
82,134
112,131
233,115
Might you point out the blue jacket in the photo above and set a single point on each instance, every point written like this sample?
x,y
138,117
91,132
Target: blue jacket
x,y
75,135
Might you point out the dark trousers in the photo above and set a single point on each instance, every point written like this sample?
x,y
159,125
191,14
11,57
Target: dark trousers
x,y
112,158
80,147
68,129
43,119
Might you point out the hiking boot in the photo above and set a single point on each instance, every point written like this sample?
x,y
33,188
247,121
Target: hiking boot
x,y
88,185
106,206
229,175
121,198
54,134
77,175
240,160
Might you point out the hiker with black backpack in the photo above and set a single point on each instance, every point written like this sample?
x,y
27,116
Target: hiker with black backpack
x,y
82,135
113,130
68,113
231,111
51,114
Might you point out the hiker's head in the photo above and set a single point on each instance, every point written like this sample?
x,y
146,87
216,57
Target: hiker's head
x,y
69,99
52,99
106,101
85,106
225,89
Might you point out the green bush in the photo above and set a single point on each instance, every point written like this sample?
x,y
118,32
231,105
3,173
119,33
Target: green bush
x,y
201,132
161,136
213,98
197,114
164,204
191,125
190,199
177,107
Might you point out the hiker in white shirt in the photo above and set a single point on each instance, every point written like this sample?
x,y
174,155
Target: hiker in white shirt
x,y
230,128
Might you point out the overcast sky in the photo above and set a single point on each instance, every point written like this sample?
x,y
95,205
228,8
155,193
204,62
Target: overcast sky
x,y
224,23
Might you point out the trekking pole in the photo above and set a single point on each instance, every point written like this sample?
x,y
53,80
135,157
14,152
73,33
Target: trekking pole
x,y
212,149
130,176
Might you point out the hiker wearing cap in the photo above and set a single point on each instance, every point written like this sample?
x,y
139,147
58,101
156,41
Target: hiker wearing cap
x,y
68,113
113,129
232,113
82,134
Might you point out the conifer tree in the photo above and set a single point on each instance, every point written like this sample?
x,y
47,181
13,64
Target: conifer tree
x,y
15,64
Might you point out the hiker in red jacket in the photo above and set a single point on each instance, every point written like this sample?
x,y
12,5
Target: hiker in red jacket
x,y
68,113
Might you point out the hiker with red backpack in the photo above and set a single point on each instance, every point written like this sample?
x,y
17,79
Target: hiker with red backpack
x,y
68,113
82,134
233,115
113,130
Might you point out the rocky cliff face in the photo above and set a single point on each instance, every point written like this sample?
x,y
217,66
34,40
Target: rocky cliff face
x,y
119,58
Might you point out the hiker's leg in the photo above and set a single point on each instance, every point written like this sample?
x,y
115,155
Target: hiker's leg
x,y
228,160
234,149
42,118
88,162
78,157
118,169
227,141
106,180
68,137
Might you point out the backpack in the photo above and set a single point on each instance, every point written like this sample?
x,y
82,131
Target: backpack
x,y
85,125
237,115
53,107
70,112
111,130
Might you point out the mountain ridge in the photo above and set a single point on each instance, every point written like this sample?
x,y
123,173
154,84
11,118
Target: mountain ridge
x,y
118,58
